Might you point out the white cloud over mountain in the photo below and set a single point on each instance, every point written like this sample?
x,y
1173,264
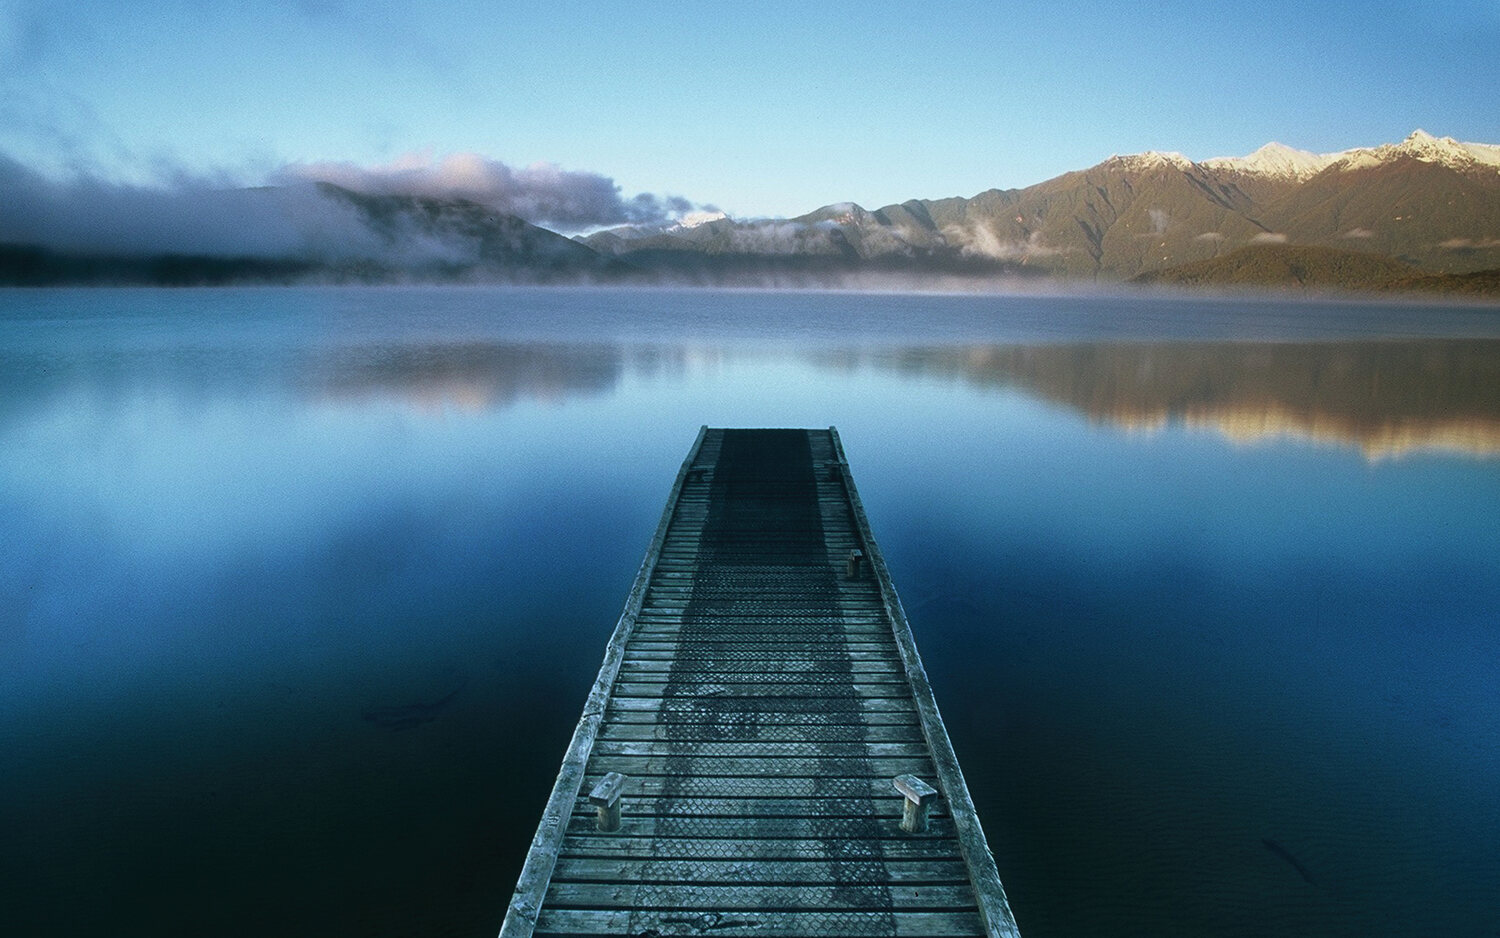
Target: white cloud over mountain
x,y
214,215
542,193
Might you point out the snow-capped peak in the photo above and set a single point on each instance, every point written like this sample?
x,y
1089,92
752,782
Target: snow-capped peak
x,y
694,219
1424,146
1275,159
1278,160
1151,159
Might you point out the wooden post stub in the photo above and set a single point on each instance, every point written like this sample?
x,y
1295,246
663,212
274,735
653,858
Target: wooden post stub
x,y
606,800
919,795
856,564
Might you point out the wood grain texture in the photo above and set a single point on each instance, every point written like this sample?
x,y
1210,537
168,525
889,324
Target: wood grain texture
x,y
759,702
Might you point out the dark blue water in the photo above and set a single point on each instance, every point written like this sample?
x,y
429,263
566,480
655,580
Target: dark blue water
x,y
301,591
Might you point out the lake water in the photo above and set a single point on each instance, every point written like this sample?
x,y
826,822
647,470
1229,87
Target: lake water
x,y
301,591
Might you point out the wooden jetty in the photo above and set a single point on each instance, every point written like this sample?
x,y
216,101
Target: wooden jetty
x,y
761,753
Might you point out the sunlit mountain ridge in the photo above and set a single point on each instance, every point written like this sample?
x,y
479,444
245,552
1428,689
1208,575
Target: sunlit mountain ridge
x,y
1432,204
1422,215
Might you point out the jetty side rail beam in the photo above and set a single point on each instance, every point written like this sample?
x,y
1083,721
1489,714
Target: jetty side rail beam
x,y
994,908
536,873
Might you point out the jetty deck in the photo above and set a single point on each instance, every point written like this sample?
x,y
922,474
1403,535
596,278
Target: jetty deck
x,y
761,753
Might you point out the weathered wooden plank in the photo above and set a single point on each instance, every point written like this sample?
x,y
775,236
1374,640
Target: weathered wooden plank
x,y
828,657
782,577
766,828
713,786
820,644
865,613
762,550
790,872
758,665
727,617
666,643
771,669
902,897
727,633
769,850
689,653
823,707
762,606
765,717
706,732
761,629
816,640
685,575
762,665
827,674
761,705
745,766
758,749
699,676
758,808
723,689
813,807
801,659
736,625
756,597
789,594
742,925
792,600
751,611
751,639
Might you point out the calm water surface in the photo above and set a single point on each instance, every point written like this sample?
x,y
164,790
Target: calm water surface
x,y
301,591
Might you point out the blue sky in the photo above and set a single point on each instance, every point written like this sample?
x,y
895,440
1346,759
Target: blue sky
x,y
772,108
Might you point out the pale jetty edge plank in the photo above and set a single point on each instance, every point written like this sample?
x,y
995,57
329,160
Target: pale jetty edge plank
x,y
761,753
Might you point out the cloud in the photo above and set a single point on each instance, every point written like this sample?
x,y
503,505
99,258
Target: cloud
x,y
40,113
216,215
542,193
91,215
1469,244
774,237
1269,237
200,215
1214,236
1159,218
1358,233
983,241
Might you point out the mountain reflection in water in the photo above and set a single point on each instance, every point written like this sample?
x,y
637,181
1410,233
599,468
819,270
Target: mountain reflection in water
x,y
301,590
1387,398
473,376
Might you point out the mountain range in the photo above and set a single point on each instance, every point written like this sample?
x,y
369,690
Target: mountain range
x,y
1422,214
1430,204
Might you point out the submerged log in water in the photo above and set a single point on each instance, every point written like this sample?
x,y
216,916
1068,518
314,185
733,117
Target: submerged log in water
x,y
1286,855
406,716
